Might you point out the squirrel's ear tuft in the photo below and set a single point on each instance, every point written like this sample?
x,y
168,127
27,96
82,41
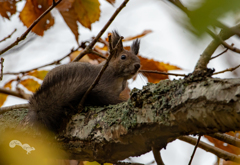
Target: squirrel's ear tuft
x,y
115,38
135,46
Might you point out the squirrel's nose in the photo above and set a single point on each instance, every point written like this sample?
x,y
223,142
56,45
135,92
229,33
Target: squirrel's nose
x,y
137,66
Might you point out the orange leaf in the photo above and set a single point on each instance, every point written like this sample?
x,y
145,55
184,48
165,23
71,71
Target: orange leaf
x,y
150,64
145,32
70,18
88,11
40,74
111,1
65,5
30,84
7,8
32,10
3,98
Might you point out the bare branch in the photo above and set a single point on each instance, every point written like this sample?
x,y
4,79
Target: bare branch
x,y
39,67
10,92
157,156
227,70
10,35
194,151
216,151
234,49
24,35
96,53
227,138
1,77
157,72
9,108
90,46
220,54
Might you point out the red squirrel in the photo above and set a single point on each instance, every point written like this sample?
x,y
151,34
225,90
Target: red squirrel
x,y
63,87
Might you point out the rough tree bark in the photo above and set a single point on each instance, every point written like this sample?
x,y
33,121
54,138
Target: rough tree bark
x,y
153,116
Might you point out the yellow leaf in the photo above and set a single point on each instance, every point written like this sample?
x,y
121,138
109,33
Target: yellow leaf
x,y
3,98
7,8
32,10
40,74
30,84
88,11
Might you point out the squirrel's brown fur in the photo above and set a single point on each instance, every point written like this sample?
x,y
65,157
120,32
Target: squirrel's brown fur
x,y
63,87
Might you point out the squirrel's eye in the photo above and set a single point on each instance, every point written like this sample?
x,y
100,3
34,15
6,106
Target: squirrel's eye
x,y
123,57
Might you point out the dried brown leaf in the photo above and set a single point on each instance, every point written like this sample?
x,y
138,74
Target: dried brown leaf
x,y
7,8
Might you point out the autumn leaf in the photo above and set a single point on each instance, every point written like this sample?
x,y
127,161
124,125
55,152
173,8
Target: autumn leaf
x,y
32,10
145,32
40,74
150,64
65,5
71,19
30,84
7,8
111,1
88,11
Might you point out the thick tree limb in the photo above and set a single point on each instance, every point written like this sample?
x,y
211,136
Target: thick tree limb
x,y
157,115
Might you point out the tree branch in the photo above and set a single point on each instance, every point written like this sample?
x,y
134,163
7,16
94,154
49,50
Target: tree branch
x,y
158,72
227,70
23,36
10,108
9,36
216,151
90,46
10,92
1,63
157,114
195,148
227,138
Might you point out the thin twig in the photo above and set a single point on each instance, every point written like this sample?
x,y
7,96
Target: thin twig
x,y
24,35
227,138
80,106
194,151
226,45
9,108
220,54
216,151
39,67
98,54
10,35
10,92
1,77
227,70
157,72
90,46
157,156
